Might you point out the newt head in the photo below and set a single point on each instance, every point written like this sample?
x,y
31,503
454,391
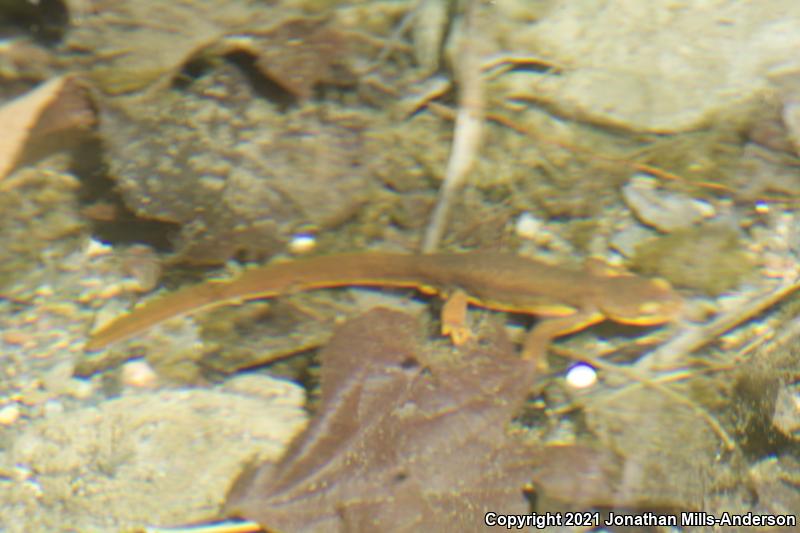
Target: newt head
x,y
638,301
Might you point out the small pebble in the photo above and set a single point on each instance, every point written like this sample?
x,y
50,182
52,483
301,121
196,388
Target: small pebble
x,y
16,338
20,473
626,241
80,389
139,374
302,243
53,408
58,379
96,248
142,264
528,226
64,309
91,283
110,292
45,291
664,210
10,414
787,411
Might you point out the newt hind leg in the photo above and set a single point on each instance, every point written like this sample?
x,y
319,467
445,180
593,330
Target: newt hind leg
x,y
542,334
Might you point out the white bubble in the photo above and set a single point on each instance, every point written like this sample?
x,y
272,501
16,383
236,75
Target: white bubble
x,y
581,376
302,243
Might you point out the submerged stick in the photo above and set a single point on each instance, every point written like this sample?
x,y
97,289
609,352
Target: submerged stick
x,y
467,132
695,337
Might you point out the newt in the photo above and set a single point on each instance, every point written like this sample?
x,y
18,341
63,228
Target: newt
x,y
565,300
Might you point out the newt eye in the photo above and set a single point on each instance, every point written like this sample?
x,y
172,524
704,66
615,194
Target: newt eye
x,y
661,284
650,308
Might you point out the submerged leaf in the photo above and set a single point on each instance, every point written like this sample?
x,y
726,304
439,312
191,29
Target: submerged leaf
x,y
43,121
131,44
398,444
298,54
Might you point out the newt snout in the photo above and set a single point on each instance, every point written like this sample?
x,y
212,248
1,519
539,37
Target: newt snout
x,y
639,301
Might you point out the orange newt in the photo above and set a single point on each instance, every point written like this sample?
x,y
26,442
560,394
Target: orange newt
x,y
565,300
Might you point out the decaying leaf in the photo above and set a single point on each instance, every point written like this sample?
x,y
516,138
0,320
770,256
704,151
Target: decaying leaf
x,y
134,44
298,54
43,121
397,444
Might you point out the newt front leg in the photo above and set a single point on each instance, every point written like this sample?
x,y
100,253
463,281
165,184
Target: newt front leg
x,y
537,340
454,318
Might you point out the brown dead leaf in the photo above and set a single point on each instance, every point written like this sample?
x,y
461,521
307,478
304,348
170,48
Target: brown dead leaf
x,y
299,54
128,45
43,121
397,445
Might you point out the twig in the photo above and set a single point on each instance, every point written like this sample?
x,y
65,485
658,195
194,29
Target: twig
x,y
659,386
467,131
393,41
658,368
669,354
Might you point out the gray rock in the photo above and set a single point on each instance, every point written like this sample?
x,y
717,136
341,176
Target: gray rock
x,y
664,210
